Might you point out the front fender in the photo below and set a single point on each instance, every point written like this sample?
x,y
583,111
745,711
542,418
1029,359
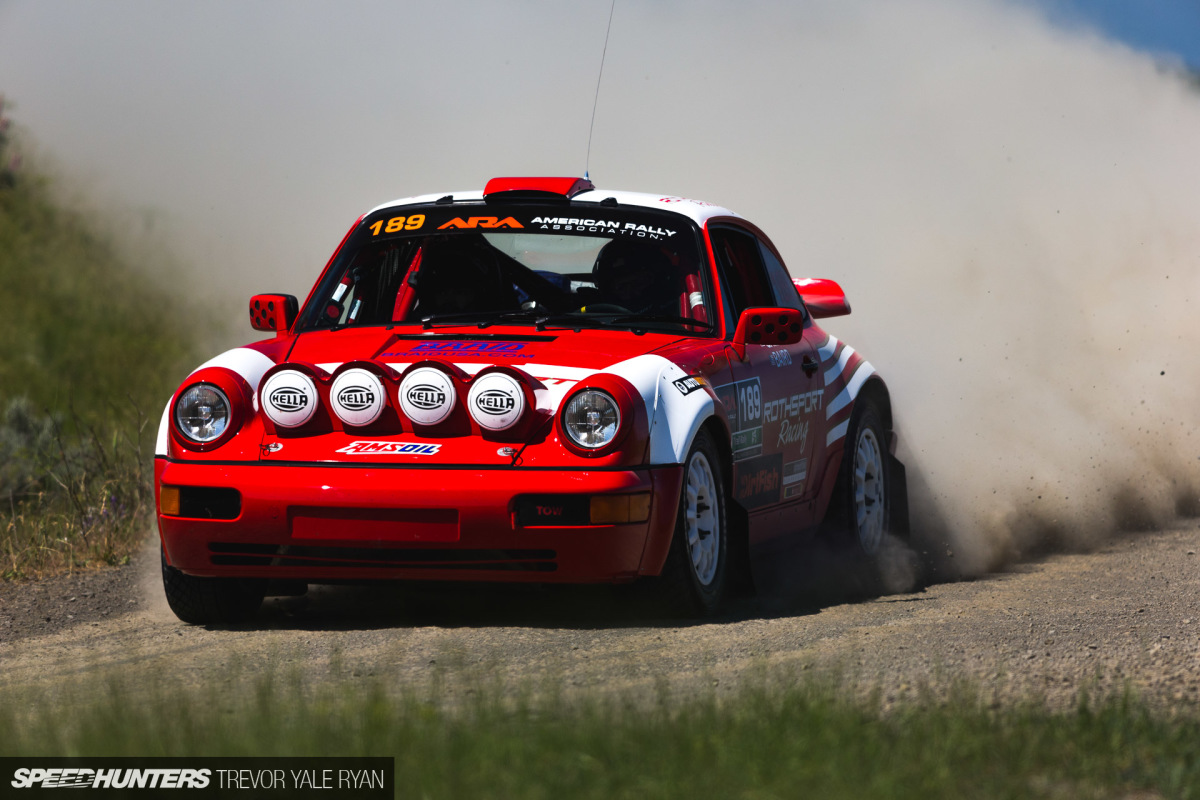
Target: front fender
x,y
675,412
250,364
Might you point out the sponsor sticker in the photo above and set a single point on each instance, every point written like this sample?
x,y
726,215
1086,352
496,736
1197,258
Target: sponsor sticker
x,y
757,481
780,358
489,350
288,399
425,395
690,384
386,448
795,405
586,225
744,410
794,473
481,222
496,401
356,398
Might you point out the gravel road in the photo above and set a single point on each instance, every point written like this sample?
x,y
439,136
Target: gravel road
x,y
1127,614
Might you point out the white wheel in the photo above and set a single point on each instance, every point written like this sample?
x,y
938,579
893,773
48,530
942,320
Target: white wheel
x,y
701,525
870,508
693,579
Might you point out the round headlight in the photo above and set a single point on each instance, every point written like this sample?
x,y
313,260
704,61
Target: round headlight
x,y
202,413
591,419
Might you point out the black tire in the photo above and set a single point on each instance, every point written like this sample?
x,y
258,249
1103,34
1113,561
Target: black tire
x,y
860,512
210,601
695,578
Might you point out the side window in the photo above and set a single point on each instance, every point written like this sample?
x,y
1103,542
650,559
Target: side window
x,y
786,295
742,270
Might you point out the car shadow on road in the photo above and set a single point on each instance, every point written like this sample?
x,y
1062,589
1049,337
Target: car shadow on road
x,y
798,583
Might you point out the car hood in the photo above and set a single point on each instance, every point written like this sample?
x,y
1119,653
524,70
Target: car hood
x,y
548,353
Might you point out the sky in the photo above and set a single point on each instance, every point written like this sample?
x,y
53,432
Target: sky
x,y
1169,28
1006,189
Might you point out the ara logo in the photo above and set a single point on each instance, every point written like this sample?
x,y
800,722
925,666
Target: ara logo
x,y
288,399
495,402
390,448
356,398
426,396
481,222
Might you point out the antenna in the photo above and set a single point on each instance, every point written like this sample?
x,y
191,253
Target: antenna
x,y
588,161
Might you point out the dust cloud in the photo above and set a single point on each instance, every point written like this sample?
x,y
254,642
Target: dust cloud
x,y
1011,204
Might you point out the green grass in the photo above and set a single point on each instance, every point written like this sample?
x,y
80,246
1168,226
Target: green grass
x,y
93,341
799,740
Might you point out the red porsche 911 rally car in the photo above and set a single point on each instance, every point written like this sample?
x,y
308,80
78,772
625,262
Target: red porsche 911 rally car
x,y
540,382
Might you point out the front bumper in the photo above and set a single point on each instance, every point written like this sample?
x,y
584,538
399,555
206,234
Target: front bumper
x,y
320,522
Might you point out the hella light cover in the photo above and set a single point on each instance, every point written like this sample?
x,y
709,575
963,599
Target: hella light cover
x,y
496,401
289,398
427,395
357,397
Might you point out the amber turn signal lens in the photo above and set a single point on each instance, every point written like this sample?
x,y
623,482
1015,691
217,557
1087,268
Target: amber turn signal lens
x,y
168,501
618,509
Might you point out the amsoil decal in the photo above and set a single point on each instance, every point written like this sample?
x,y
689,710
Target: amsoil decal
x,y
481,222
390,448
757,481
585,225
288,399
690,384
452,348
356,398
744,410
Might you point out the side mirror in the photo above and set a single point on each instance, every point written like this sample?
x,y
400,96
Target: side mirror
x,y
273,312
824,298
778,326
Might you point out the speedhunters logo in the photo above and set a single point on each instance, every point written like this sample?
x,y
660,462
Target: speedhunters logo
x,y
67,778
488,350
289,399
365,778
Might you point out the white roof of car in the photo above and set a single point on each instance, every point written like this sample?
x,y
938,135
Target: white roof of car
x,y
696,210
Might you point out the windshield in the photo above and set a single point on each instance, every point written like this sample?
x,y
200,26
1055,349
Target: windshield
x,y
520,264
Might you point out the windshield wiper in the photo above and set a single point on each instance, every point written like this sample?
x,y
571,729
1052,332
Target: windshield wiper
x,y
483,318
664,319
